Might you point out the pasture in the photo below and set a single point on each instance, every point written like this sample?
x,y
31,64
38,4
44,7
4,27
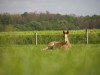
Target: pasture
x,y
20,56
28,37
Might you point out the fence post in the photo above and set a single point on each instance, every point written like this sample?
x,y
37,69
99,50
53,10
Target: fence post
x,y
86,36
35,38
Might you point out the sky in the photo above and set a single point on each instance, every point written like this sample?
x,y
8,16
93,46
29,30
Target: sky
x,y
77,7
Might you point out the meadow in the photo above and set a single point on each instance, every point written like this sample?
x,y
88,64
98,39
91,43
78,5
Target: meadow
x,y
28,37
23,57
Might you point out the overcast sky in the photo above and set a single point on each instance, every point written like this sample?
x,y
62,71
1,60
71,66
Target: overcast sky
x,y
78,7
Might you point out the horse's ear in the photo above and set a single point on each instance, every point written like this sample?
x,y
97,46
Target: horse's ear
x,y
63,32
67,31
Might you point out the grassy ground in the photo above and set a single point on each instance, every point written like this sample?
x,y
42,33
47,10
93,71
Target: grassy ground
x,y
43,37
30,60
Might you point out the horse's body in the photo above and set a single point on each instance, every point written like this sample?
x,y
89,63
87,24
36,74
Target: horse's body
x,y
57,44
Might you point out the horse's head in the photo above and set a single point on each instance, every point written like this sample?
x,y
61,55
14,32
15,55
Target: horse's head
x,y
66,36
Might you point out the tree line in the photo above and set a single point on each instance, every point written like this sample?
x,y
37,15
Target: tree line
x,y
46,21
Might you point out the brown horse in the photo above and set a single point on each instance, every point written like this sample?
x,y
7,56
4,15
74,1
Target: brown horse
x,y
57,44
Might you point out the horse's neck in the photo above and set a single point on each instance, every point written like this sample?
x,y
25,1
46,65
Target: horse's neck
x,y
67,41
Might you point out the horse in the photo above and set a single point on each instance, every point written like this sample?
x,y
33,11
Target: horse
x,y
57,44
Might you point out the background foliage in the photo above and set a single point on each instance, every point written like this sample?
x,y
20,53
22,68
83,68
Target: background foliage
x,y
46,21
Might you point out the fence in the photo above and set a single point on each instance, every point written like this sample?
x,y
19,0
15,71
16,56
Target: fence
x,y
75,37
85,38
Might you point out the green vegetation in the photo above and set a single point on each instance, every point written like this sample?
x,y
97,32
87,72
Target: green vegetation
x,y
46,21
30,60
20,56
75,36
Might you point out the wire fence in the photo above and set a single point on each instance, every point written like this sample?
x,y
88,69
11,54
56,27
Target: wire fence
x,y
75,37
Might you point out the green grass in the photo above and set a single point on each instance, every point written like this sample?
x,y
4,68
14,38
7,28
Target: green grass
x,y
28,37
49,32
30,60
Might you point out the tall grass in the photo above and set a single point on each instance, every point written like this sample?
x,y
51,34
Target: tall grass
x,y
75,36
30,60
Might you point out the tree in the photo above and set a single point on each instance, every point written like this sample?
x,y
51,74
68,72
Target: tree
x,y
5,19
35,25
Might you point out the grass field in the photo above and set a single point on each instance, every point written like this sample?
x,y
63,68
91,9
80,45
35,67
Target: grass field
x,y
20,56
81,59
28,37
